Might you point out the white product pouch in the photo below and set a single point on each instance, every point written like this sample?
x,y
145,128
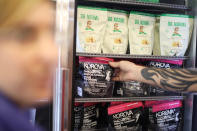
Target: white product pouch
x,y
141,33
174,34
91,23
116,35
156,46
191,26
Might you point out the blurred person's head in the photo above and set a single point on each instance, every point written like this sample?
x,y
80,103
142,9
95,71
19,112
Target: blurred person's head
x,y
27,50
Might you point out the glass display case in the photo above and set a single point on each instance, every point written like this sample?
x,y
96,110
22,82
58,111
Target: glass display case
x,y
67,39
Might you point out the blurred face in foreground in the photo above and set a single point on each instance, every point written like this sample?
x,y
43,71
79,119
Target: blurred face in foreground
x,y
28,57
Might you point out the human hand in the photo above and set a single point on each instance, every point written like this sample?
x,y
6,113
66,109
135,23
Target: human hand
x,y
125,71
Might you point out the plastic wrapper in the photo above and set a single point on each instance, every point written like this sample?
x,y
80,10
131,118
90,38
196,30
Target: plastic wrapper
x,y
103,117
174,34
91,24
165,64
118,91
130,89
134,88
78,116
126,116
90,117
141,33
149,123
167,116
116,32
94,78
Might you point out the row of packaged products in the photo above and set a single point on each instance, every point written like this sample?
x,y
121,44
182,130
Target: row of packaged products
x,y
162,115
94,74
137,89
101,30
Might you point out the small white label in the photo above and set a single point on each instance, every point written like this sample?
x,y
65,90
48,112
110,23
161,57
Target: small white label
x,y
79,91
120,91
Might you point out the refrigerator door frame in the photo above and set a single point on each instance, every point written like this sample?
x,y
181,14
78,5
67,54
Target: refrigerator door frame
x,y
63,92
62,99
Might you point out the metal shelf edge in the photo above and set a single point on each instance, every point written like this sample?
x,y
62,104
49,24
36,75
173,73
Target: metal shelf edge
x,y
131,56
129,99
138,3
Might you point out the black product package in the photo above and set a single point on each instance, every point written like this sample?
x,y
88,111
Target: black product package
x,y
118,91
126,116
178,2
165,64
91,115
103,117
155,91
167,116
134,89
78,116
160,63
149,122
94,78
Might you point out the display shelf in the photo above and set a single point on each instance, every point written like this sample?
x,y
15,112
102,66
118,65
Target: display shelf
x,y
132,56
129,99
147,4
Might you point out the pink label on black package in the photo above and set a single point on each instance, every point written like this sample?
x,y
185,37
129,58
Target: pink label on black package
x,y
126,116
94,77
114,103
149,120
167,116
152,103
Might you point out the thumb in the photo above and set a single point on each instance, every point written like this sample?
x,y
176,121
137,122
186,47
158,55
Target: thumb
x,y
114,64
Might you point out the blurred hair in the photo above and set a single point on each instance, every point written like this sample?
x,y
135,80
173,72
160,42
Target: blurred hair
x,y
13,11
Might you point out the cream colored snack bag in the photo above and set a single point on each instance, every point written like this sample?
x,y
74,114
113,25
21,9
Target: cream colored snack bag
x,y
191,26
156,46
174,34
141,33
91,23
116,35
